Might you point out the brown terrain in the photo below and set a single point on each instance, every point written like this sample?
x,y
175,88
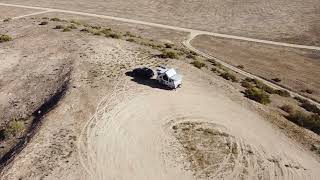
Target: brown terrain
x,y
69,109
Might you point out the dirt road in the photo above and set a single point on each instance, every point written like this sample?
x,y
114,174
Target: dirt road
x,y
193,31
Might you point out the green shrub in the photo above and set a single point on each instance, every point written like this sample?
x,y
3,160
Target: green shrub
x,y
257,95
311,122
229,76
43,23
198,64
59,27
287,108
246,84
13,128
169,54
106,31
55,19
4,38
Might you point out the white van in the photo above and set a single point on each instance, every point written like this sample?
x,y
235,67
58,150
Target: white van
x,y
169,77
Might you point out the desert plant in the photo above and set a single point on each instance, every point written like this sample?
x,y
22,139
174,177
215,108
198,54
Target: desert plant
x,y
114,35
214,63
59,27
66,29
129,34
190,56
55,19
43,23
240,66
283,93
287,108
4,38
229,76
246,84
75,22
12,129
257,95
198,64
72,26
7,20
130,40
168,45
310,107
276,79
309,91
311,122
169,54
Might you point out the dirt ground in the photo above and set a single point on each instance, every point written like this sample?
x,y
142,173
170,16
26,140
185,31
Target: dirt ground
x,y
10,12
297,69
109,125
293,21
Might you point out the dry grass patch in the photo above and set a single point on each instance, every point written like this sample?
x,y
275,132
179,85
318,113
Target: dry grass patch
x,y
198,64
4,38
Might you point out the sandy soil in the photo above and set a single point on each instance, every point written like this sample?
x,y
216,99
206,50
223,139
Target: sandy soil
x,y
297,69
286,20
109,125
10,12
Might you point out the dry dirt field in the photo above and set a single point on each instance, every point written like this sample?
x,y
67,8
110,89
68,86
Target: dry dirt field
x,y
297,69
67,98
292,21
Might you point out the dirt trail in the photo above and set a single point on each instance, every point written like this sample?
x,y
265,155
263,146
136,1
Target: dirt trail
x,y
130,137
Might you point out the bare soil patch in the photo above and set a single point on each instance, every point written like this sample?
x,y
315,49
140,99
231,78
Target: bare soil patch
x,y
10,12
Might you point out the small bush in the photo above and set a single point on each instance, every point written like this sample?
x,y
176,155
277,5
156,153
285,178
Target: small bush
x,y
276,79
198,64
75,22
287,108
257,95
12,129
4,38
167,45
106,31
59,27
310,107
309,91
95,27
55,19
114,36
66,29
214,63
97,33
311,122
190,56
169,54
283,93
85,30
229,76
128,34
240,66
72,26
130,40
43,23
7,20
246,84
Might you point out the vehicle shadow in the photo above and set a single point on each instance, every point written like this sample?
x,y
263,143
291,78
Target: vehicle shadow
x,y
153,83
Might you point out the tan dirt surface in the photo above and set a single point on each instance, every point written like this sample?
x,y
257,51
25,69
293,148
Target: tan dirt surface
x,y
10,12
293,21
110,126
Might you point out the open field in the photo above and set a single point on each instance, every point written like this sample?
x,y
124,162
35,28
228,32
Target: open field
x,y
69,106
286,21
10,12
297,69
